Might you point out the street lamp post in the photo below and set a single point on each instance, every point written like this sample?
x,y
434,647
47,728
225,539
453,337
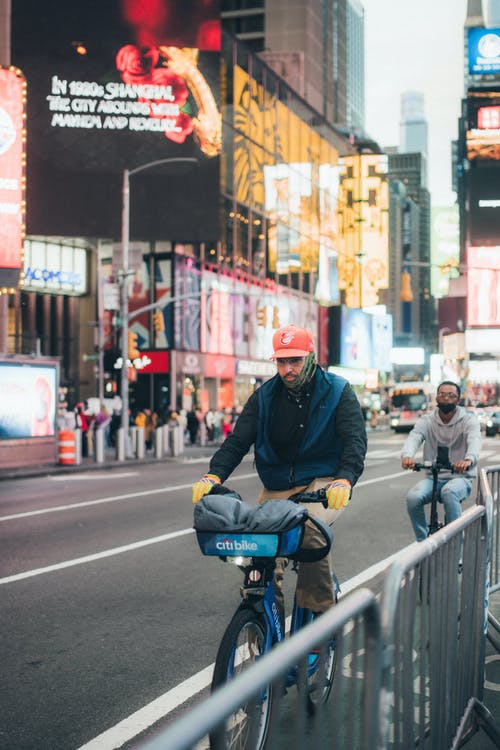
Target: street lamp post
x,y
125,272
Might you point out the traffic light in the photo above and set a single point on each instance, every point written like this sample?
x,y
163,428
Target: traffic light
x,y
262,316
276,317
133,350
406,294
159,322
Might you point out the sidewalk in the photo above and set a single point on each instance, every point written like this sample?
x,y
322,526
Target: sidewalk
x,y
191,453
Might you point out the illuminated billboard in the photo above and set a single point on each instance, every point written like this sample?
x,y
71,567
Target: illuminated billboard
x,y
283,168
116,87
356,339
482,137
28,403
484,205
363,211
483,286
445,247
484,51
55,267
12,185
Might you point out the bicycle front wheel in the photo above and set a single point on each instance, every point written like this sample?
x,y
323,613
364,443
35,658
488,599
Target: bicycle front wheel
x,y
242,644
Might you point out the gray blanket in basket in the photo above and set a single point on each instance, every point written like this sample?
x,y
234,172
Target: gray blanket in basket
x,y
229,513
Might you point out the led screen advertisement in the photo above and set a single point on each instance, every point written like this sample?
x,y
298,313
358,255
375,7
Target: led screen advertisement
x,y
482,136
356,339
240,319
28,403
445,247
483,286
484,51
363,253
114,86
382,340
12,156
484,205
282,167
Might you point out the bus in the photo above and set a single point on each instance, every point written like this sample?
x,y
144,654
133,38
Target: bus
x,y
409,400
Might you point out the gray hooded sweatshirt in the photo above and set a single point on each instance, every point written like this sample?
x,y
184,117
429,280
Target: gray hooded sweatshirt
x,y
462,436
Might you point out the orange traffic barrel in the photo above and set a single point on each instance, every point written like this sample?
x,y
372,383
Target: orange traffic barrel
x,y
66,447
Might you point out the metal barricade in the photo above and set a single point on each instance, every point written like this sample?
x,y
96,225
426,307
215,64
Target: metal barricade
x,y
348,720
433,629
493,476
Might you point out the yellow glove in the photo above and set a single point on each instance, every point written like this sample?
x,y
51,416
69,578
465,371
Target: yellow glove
x,y
338,493
203,486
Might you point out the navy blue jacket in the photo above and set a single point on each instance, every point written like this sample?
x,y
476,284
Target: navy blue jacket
x,y
333,442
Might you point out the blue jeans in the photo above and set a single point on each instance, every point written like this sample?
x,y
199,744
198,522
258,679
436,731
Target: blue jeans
x,y
451,494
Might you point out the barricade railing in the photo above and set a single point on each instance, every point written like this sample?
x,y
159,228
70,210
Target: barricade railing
x,y
433,618
416,661
493,477
348,720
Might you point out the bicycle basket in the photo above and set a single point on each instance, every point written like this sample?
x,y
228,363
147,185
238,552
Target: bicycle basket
x,y
233,544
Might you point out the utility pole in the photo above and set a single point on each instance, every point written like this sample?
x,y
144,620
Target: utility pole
x,y
125,272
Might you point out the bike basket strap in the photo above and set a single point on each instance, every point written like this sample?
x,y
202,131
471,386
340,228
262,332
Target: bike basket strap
x,y
222,543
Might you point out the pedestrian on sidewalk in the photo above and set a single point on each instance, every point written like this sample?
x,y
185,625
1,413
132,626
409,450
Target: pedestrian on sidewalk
x,y
193,426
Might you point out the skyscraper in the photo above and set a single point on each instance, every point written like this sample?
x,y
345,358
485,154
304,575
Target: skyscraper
x,y
413,128
315,45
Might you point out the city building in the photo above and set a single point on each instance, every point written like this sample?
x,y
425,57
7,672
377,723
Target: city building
x,y
474,293
316,46
407,168
413,128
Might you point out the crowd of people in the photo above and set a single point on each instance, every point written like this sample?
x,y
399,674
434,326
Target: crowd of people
x,y
210,427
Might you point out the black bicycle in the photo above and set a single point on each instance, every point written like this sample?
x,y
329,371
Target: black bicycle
x,y
256,625
441,463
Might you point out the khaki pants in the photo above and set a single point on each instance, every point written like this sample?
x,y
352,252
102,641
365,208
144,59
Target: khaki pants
x,y
314,582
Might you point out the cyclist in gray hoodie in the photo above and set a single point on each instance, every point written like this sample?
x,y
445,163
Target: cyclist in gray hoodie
x,y
452,426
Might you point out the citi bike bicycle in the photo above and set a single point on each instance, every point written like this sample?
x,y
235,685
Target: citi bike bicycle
x,y
256,625
442,462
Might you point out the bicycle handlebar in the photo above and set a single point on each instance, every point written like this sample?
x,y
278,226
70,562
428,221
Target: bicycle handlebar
x,y
315,496
432,465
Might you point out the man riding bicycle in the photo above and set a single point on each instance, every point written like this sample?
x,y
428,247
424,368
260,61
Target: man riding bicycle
x,y
451,426
308,431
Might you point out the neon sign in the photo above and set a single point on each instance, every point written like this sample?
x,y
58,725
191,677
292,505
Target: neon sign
x,y
12,183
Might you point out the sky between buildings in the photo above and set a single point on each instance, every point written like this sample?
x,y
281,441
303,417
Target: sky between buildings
x,y
416,46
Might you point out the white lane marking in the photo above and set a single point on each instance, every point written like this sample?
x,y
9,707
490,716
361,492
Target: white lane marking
x,y
95,556
145,717
382,479
92,475
112,499
487,454
115,737
381,453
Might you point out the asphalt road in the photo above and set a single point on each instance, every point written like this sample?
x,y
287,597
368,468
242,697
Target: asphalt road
x,y
108,607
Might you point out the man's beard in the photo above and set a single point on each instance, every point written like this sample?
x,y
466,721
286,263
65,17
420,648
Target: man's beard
x,y
295,386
